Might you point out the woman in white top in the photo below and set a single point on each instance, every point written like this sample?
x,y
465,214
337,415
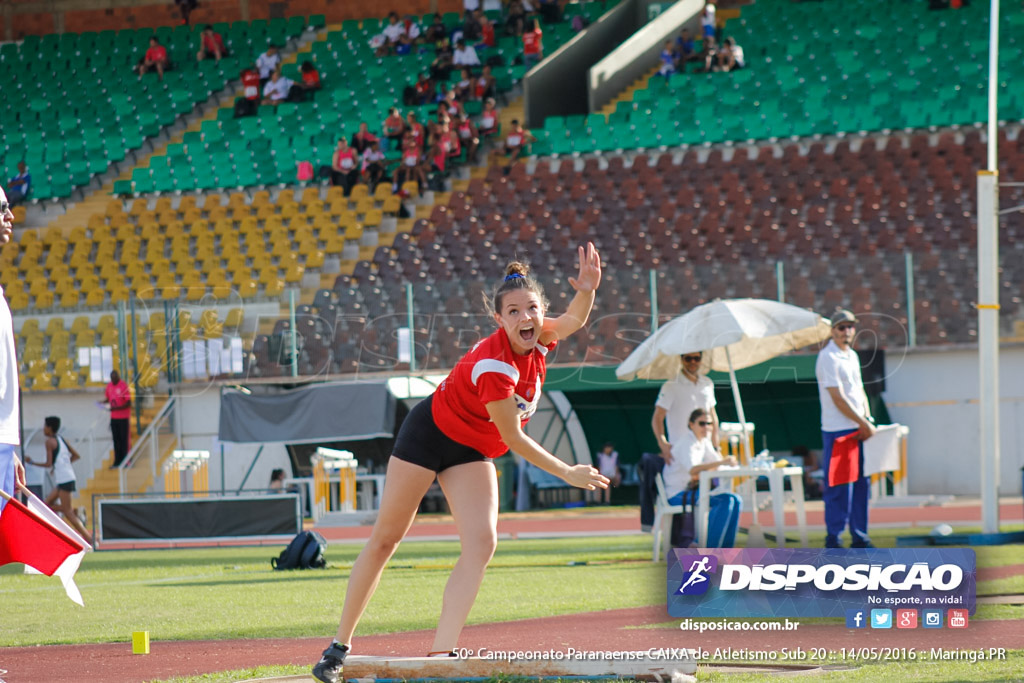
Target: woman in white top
x,y
692,454
59,456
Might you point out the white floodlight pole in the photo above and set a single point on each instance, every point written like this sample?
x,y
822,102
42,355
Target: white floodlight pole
x,y
988,296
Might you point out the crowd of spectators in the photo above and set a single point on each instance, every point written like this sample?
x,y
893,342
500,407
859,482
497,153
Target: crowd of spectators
x,y
714,53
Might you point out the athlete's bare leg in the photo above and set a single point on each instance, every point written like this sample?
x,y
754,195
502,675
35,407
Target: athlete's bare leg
x,y
404,488
472,493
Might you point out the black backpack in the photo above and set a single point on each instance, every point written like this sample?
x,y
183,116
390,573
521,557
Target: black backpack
x,y
305,551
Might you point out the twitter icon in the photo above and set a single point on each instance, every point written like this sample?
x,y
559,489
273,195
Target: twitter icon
x,y
881,618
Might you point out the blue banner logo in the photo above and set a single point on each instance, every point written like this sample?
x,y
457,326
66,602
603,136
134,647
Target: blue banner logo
x,y
806,582
697,578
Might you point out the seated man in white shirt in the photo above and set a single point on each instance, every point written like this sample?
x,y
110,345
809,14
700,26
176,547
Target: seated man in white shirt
x,y
278,89
465,55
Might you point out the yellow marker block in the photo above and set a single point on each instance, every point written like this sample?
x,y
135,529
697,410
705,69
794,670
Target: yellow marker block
x,y
140,642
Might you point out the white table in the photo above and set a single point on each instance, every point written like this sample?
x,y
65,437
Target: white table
x,y
776,483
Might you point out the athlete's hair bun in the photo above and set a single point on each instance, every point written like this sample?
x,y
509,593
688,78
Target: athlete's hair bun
x,y
517,268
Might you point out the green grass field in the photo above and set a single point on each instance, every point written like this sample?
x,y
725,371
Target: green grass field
x,y
228,593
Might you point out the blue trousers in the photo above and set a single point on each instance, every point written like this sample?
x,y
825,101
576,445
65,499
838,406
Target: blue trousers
x,y
7,453
846,503
651,465
723,518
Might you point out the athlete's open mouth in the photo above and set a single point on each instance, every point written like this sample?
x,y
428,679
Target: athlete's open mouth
x,y
526,333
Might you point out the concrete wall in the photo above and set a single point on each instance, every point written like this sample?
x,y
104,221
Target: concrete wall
x,y
558,85
639,54
935,393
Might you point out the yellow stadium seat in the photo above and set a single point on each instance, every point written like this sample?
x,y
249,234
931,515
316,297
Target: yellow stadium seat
x,y
293,274
68,380
80,324
187,332
63,365
43,300
359,191
383,191
19,214
275,288
310,194
391,206
314,208
373,218
195,292
156,321
216,213
314,259
18,301
106,322
285,196
85,338
288,210
353,231
43,382
149,377
109,337
234,319
54,325
170,291
247,289
410,188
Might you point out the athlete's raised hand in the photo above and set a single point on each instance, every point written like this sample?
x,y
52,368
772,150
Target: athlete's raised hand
x,y
589,276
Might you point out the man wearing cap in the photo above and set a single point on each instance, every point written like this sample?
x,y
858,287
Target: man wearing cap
x,y
677,399
844,410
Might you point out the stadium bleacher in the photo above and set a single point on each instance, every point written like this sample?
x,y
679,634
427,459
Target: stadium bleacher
x,y
822,68
78,106
357,86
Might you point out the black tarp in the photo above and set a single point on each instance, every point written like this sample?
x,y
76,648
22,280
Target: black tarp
x,y
339,411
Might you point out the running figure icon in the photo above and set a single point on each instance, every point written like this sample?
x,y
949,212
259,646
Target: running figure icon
x,y
697,573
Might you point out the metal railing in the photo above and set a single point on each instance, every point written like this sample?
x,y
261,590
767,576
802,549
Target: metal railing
x,y
139,470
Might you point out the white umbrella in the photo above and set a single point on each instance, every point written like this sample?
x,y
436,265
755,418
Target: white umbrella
x,y
732,334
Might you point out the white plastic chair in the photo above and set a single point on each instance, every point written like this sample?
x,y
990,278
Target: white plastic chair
x,y
662,527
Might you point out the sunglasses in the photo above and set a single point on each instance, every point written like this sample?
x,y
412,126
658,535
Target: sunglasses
x,y
4,207
845,326
691,359
702,423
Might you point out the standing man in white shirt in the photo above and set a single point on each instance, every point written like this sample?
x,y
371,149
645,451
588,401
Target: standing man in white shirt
x,y
11,471
844,410
678,398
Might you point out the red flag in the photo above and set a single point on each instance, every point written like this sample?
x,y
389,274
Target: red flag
x,y
27,538
844,463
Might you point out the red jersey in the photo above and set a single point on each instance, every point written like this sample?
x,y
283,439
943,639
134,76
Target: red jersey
x,y
213,42
490,371
119,397
531,42
487,34
311,79
251,84
157,53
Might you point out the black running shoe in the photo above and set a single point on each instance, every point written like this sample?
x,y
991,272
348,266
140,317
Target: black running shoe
x,y
331,662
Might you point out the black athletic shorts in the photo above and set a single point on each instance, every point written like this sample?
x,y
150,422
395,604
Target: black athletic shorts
x,y
422,443
67,486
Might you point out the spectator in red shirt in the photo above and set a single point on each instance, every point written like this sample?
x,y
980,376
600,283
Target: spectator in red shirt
x,y
411,166
362,140
487,38
416,129
345,166
468,136
210,45
489,118
155,58
394,129
119,400
533,48
485,85
517,140
310,77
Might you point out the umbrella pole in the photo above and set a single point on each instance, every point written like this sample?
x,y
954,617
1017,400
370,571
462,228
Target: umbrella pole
x,y
738,400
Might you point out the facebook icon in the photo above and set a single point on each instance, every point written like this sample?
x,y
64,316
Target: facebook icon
x,y
855,618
